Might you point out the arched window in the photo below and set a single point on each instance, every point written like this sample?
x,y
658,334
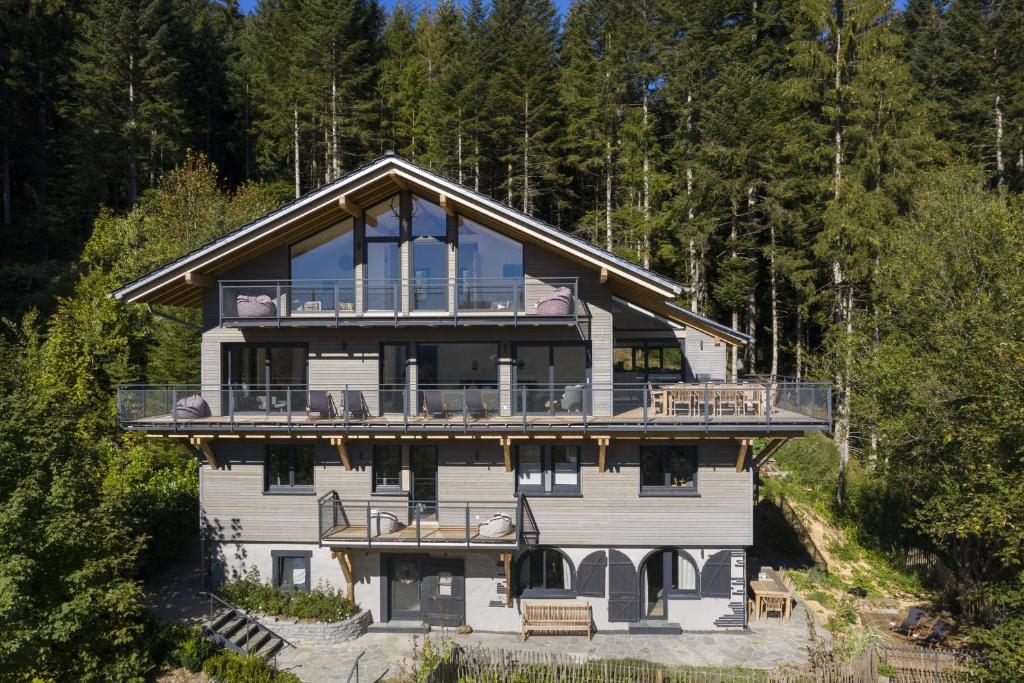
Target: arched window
x,y
667,574
545,572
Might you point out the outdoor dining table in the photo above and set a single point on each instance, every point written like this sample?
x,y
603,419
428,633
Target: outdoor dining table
x,y
736,395
771,589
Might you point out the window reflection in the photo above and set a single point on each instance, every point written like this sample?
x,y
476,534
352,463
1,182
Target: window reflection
x,y
490,269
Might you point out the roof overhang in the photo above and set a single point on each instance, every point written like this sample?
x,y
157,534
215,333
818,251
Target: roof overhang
x,y
181,281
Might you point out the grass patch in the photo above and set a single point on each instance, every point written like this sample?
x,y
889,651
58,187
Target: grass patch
x,y
323,603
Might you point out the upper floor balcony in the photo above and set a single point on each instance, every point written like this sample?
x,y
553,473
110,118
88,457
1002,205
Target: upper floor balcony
x,y
704,407
400,302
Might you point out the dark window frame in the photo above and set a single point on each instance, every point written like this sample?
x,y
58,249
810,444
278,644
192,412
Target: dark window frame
x,y
291,489
436,240
387,489
551,593
666,489
363,248
276,557
548,487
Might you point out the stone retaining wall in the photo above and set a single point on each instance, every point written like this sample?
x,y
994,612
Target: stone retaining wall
x,y
318,632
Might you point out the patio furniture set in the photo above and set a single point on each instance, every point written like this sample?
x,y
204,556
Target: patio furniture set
x,y
915,627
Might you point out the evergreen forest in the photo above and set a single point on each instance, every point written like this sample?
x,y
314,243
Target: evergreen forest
x,y
843,180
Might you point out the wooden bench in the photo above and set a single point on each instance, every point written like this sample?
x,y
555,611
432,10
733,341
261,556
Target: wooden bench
x,y
558,616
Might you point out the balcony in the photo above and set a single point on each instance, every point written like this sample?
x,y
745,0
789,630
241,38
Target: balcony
x,y
403,302
747,407
400,522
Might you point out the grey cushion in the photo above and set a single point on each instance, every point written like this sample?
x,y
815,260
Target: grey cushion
x,y
192,408
572,397
252,306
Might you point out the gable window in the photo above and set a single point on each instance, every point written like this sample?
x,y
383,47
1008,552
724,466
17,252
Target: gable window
x,y
490,269
291,569
387,469
668,470
383,256
548,470
323,271
289,468
429,256
545,573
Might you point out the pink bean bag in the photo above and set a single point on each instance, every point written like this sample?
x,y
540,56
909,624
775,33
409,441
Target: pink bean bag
x,y
261,306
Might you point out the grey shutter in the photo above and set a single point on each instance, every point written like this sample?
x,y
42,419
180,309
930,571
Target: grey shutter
x,y
590,575
623,586
716,576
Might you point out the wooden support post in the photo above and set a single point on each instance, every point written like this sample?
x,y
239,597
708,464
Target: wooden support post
x,y
345,561
204,447
602,452
506,446
343,453
742,459
603,278
447,204
398,180
768,452
506,559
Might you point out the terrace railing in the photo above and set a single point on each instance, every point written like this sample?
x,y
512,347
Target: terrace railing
x,y
402,521
339,302
535,407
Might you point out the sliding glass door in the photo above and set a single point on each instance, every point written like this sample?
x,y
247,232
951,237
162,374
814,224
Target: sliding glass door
x,y
265,378
552,378
383,257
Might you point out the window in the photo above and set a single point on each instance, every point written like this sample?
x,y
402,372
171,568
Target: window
x,y
383,256
667,574
552,378
291,569
429,256
548,470
684,574
289,468
545,572
670,470
653,361
387,469
458,365
490,269
322,265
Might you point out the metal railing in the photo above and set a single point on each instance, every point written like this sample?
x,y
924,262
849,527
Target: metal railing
x,y
216,602
337,302
403,521
404,407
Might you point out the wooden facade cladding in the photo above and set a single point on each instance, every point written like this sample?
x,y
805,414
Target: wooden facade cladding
x,y
609,509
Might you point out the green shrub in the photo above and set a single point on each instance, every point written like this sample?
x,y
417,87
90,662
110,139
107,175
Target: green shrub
x,y
323,603
232,668
181,645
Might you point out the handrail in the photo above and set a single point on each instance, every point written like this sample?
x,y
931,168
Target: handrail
x,y
249,619
355,668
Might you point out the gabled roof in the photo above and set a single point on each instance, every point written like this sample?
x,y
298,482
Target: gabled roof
x,y
181,281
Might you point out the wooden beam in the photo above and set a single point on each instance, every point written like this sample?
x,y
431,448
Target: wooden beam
x,y
447,204
602,451
506,559
768,452
348,205
741,460
398,180
204,447
603,278
345,561
199,280
506,446
343,453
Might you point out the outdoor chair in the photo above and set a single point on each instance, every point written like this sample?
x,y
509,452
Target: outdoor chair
x,y
476,404
434,404
355,405
572,398
910,621
774,603
934,636
321,403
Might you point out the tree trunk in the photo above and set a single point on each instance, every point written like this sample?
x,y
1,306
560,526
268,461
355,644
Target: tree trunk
x,y
773,294
1000,167
459,147
844,300
608,195
133,190
735,311
750,350
799,342
295,155
476,165
646,212
335,171
526,154
509,183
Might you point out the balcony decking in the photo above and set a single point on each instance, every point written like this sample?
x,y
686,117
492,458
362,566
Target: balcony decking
x,y
751,408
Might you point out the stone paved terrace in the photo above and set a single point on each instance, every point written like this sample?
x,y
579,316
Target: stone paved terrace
x,y
767,644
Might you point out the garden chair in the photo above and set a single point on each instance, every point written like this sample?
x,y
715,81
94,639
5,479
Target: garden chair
x,y
476,404
434,404
911,620
355,405
934,636
321,403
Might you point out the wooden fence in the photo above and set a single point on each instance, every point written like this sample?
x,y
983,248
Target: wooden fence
x,y
476,665
974,606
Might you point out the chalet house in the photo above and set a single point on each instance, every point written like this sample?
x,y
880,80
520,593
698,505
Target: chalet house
x,y
448,408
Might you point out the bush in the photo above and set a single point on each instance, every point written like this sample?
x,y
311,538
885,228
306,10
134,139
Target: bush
x,y
232,668
180,645
323,603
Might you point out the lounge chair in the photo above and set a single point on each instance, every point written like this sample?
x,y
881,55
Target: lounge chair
x,y
433,403
935,636
572,398
355,405
321,403
476,404
910,621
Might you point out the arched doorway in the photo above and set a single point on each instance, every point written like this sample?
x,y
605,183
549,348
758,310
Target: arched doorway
x,y
666,573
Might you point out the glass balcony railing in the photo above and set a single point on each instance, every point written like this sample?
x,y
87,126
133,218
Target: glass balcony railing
x,y
697,406
338,302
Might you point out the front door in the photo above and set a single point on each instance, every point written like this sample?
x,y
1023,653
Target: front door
x,y
424,480
444,595
404,579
